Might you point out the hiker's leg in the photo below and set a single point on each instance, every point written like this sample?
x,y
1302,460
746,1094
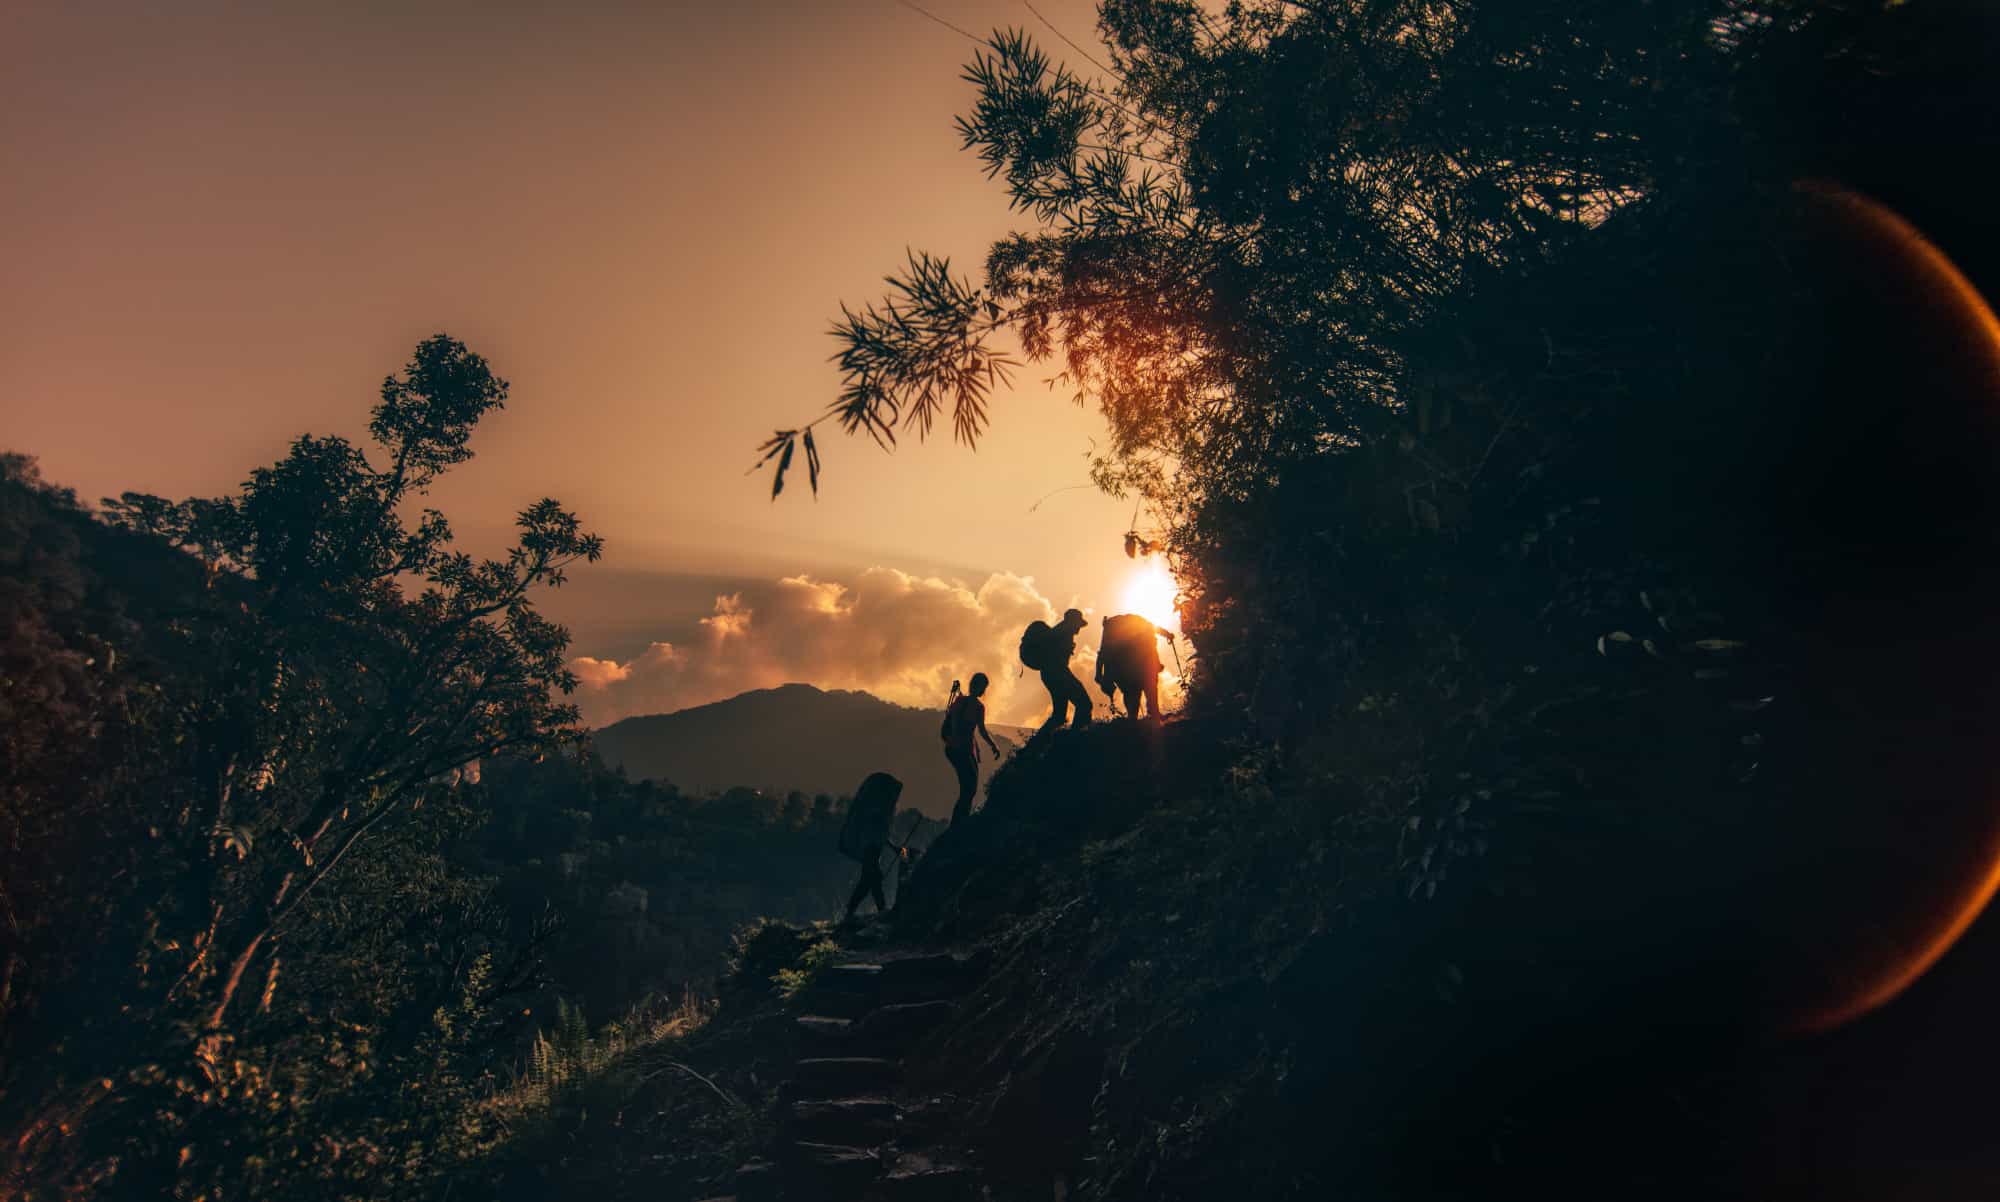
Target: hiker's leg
x,y
875,878
968,784
860,891
1058,701
1081,697
1153,696
871,879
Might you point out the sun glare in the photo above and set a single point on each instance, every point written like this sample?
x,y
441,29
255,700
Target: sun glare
x,y
1150,593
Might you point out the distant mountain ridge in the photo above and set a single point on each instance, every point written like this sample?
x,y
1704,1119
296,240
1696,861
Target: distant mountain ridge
x,y
795,736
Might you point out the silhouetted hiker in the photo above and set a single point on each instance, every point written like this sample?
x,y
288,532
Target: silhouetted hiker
x,y
1128,662
965,717
1047,649
865,832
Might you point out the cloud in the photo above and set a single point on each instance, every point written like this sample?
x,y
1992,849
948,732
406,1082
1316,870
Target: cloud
x,y
903,638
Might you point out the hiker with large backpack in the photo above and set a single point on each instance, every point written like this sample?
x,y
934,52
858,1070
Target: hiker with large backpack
x,y
964,718
1128,662
866,832
1047,649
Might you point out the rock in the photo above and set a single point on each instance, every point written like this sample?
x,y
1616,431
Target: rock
x,y
829,1170
857,1121
758,1181
822,1028
843,1075
898,1025
836,1003
917,1177
1040,1121
860,978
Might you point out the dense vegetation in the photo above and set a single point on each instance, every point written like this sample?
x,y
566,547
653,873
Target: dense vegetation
x,y
1586,524
225,877
1447,340
1589,558
302,848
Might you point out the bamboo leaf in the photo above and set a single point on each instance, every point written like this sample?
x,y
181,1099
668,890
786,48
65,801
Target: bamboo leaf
x,y
778,478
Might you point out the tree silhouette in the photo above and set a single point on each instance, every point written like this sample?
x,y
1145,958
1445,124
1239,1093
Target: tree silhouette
x,y
336,667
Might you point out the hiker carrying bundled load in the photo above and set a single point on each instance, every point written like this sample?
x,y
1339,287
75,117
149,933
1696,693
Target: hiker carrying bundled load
x,y
1047,649
965,717
866,832
1128,661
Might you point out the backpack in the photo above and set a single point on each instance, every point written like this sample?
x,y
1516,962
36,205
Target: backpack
x,y
957,718
869,815
951,703
1035,646
1130,648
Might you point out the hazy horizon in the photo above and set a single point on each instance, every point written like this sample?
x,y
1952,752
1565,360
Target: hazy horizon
x,y
232,222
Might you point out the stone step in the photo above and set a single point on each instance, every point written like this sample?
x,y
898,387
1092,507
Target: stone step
x,y
920,1177
940,968
759,1181
829,1171
856,978
823,1028
898,1025
853,996
830,1002
842,1076
864,1121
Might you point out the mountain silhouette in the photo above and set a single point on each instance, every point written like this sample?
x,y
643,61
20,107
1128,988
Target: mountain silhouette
x,y
793,737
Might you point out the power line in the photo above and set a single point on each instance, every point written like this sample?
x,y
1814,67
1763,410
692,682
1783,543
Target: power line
x,y
976,40
1065,37
921,11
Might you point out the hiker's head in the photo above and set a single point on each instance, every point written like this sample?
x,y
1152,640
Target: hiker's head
x,y
1072,620
978,683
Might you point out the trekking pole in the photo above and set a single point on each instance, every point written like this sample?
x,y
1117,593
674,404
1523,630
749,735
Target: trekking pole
x,y
909,835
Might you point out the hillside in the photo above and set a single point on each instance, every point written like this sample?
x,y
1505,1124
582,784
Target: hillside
x,y
1109,986
794,737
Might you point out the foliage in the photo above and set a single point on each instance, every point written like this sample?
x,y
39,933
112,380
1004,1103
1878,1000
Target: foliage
x,y
795,980
570,1054
653,884
1286,249
265,703
1474,360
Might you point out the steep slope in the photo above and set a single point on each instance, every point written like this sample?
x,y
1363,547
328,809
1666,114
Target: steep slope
x,y
791,737
1185,980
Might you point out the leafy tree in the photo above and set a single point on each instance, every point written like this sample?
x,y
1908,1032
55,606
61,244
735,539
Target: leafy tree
x,y
332,672
1257,240
1236,228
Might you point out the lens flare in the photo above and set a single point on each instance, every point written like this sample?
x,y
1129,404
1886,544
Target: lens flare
x,y
1883,246
1151,593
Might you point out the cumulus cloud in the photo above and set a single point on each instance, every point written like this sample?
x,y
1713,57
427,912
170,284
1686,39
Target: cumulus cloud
x,y
903,638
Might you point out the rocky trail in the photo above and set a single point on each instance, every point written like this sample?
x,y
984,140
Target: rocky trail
x,y
852,1128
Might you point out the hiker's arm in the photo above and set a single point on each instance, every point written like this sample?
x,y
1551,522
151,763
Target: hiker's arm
x,y
988,737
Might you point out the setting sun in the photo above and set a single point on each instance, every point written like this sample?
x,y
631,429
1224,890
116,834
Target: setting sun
x,y
1150,593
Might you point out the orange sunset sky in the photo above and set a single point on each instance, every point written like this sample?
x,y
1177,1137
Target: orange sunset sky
x,y
222,224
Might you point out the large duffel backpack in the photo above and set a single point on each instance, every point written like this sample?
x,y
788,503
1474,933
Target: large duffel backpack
x,y
869,815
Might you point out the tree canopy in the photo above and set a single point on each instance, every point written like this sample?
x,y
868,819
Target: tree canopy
x,y
271,697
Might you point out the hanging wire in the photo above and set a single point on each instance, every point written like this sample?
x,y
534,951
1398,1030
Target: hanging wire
x,y
1088,57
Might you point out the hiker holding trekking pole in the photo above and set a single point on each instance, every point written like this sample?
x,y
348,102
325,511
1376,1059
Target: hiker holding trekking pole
x,y
964,717
1128,662
865,835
